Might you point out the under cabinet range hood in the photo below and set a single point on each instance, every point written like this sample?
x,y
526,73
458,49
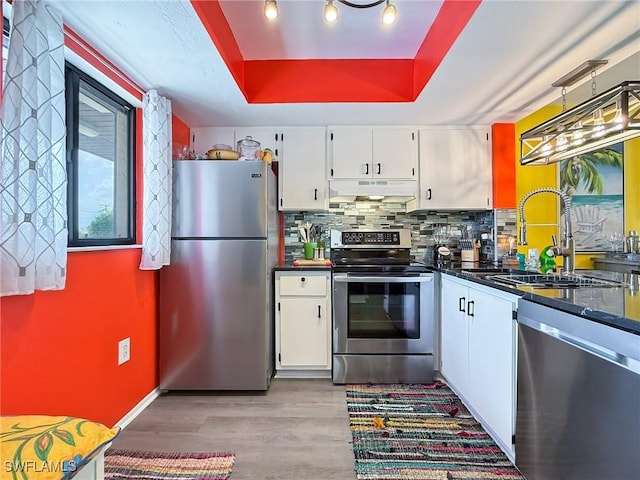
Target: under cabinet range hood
x,y
384,190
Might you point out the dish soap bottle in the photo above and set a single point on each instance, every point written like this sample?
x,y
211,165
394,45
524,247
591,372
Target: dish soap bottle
x,y
547,260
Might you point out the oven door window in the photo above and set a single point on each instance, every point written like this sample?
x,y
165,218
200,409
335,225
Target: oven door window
x,y
383,310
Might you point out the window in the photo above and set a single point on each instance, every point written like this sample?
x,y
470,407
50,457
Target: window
x,y
100,163
5,45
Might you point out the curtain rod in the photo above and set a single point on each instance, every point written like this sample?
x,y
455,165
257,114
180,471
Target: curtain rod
x,y
78,41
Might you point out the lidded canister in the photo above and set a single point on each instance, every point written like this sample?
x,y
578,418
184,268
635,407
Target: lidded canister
x,y
632,242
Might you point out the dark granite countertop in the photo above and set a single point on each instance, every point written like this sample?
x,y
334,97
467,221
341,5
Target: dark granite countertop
x,y
285,268
618,307
631,259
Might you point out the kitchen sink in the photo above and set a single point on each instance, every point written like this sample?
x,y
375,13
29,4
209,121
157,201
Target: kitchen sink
x,y
492,271
539,280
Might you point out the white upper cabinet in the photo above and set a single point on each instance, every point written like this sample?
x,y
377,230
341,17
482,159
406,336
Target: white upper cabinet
x,y
395,154
372,153
350,152
455,169
302,171
269,137
204,138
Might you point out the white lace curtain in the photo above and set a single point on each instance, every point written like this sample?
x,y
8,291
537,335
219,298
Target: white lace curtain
x,y
156,223
33,188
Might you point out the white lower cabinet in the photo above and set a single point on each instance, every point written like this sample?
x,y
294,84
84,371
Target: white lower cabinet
x,y
478,353
303,323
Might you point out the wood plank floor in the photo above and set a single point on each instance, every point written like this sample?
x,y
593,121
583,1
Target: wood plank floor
x,y
298,430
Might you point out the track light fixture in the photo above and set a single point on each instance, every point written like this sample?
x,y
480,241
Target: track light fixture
x,y
270,9
330,12
388,15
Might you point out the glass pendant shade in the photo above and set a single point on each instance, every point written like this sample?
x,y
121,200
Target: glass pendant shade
x,y
330,12
270,9
389,14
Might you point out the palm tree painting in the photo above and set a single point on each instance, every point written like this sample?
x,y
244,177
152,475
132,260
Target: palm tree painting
x,y
594,182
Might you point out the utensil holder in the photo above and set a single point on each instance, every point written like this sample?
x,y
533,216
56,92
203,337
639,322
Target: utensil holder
x,y
309,247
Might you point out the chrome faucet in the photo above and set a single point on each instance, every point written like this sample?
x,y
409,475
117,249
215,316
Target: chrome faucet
x,y
567,251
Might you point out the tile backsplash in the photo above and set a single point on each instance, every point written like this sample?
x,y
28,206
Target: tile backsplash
x,y
362,214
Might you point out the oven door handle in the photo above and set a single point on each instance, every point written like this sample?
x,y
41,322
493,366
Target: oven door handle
x,y
345,279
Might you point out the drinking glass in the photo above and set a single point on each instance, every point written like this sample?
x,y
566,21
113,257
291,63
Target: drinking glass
x,y
615,240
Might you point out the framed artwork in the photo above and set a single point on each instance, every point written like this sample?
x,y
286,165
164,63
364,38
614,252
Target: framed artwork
x,y
595,183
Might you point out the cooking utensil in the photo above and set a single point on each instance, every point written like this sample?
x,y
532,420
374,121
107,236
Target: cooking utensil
x,y
303,235
307,228
316,231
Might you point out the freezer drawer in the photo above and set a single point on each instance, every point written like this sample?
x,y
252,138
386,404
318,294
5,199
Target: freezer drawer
x,y
222,199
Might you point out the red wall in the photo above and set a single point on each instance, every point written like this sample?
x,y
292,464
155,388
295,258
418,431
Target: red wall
x,y
181,132
58,349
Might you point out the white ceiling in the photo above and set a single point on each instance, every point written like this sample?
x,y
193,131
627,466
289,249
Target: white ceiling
x,y
300,32
499,70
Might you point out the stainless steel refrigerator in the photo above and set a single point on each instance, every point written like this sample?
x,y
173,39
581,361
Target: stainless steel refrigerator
x,y
216,317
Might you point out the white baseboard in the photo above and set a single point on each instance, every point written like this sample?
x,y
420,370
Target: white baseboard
x,y
137,410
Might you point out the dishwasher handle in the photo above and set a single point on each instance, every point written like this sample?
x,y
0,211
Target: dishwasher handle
x,y
584,345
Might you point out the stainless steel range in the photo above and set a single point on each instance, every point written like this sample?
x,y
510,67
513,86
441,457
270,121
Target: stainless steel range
x,y
383,309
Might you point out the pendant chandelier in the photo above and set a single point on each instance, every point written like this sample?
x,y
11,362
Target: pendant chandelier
x,y
605,119
330,12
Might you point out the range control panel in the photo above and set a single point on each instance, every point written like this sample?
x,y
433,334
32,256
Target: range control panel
x,y
371,238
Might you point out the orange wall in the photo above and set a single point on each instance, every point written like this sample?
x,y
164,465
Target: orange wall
x,y
504,165
58,349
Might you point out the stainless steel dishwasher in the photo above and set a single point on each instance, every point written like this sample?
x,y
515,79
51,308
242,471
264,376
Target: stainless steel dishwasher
x,y
578,404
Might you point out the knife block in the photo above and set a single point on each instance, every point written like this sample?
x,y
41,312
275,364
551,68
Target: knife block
x,y
471,254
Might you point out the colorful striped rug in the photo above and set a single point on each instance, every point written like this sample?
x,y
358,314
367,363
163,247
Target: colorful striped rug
x,y
133,464
420,432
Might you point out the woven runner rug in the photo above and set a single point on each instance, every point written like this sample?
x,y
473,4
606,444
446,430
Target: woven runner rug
x,y
420,432
139,465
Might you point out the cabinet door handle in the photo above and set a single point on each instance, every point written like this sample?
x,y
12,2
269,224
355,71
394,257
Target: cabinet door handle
x,y
428,194
366,172
379,168
319,316
315,193
302,279
461,302
470,308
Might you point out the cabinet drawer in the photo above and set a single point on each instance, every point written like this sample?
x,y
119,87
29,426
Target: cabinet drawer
x,y
303,285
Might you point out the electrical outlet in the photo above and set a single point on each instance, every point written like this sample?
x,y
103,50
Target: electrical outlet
x,y
124,350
